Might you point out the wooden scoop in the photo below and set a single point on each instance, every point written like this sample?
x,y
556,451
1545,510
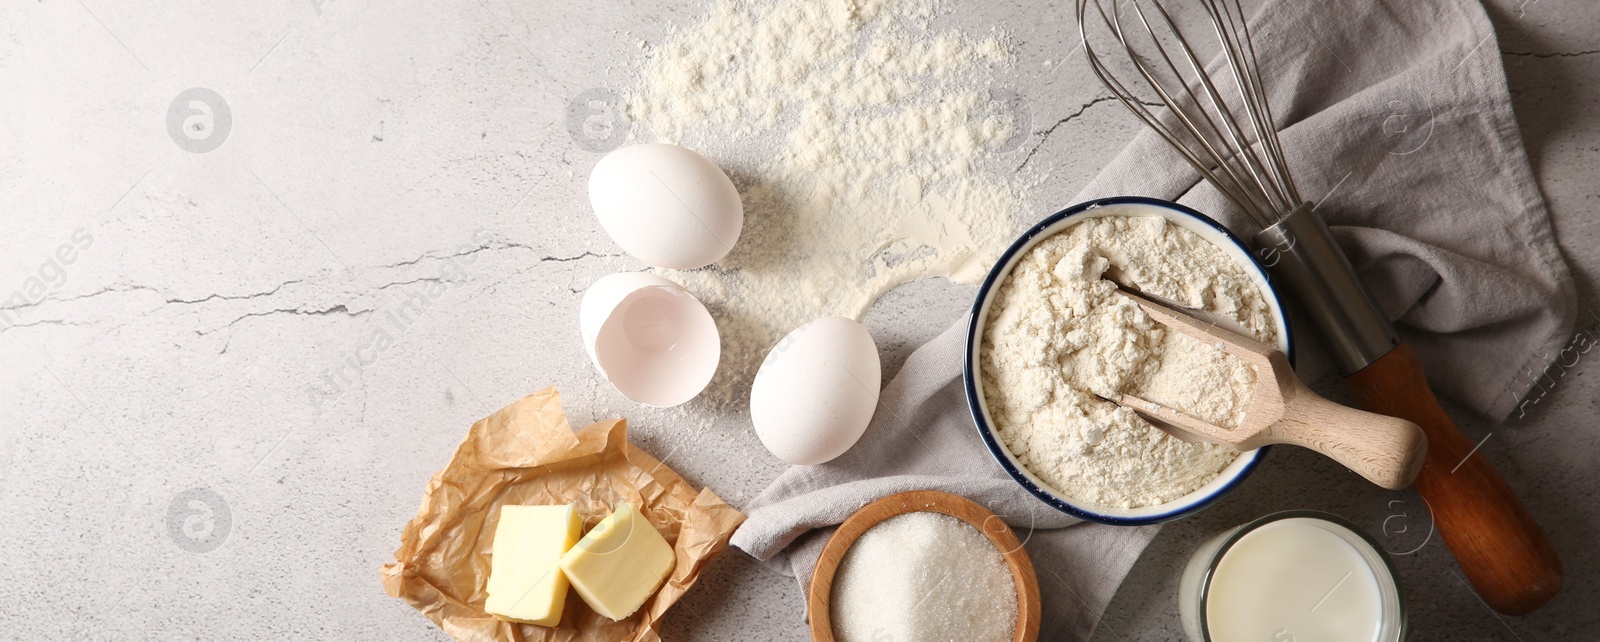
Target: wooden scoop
x,y
1387,451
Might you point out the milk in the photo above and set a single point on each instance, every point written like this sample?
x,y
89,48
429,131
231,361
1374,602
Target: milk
x,y
1294,579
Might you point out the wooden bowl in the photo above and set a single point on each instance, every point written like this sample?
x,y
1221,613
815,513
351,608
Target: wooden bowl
x,y
820,600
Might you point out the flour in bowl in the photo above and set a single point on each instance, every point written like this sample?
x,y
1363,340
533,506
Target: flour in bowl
x,y
1058,337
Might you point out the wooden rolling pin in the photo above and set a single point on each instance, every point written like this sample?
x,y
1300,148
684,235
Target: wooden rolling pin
x,y
1504,553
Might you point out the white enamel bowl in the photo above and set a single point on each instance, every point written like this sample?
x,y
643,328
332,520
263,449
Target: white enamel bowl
x,y
1184,217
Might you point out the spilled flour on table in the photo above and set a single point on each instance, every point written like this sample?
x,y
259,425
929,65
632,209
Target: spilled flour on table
x,y
871,128
1059,340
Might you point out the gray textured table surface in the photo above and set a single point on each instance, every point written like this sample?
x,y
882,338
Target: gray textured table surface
x,y
208,349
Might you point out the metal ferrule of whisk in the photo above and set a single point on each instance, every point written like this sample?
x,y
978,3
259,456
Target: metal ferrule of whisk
x,y
1299,251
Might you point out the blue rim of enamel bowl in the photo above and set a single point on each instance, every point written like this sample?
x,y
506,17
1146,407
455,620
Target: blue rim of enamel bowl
x,y
1001,269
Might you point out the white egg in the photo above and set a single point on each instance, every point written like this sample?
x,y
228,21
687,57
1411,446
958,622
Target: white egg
x,y
666,205
816,392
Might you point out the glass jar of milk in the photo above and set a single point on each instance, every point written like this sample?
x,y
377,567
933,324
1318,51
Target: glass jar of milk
x,y
1293,576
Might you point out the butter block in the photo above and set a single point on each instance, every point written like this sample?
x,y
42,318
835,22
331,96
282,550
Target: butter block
x,y
620,563
525,579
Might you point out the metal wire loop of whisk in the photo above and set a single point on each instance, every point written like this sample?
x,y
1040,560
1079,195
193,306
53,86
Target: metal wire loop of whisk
x,y
1234,146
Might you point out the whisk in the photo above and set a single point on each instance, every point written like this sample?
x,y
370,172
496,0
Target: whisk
x,y
1217,117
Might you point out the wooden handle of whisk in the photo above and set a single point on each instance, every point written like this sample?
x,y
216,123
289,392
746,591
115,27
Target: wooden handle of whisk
x,y
1504,553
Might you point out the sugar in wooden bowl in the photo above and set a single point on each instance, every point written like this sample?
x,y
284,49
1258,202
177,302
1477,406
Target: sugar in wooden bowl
x,y
927,566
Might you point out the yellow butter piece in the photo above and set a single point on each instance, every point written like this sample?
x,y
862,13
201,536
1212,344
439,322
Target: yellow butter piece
x,y
620,563
525,579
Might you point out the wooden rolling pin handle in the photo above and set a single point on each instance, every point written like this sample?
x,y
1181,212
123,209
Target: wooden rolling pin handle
x,y
1387,451
1504,553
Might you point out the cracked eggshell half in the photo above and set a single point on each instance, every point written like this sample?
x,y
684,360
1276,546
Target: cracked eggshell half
x,y
815,393
649,337
666,205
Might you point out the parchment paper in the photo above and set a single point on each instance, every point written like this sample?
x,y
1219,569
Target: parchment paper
x,y
527,454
